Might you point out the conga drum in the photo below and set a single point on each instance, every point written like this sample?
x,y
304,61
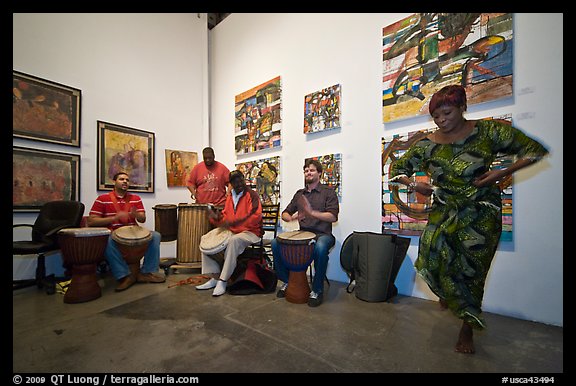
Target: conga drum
x,y
193,223
296,248
82,250
214,242
132,241
166,221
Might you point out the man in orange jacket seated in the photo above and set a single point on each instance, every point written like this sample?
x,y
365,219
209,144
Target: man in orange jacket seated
x,y
242,214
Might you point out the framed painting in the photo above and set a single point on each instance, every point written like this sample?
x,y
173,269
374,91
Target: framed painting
x,y
40,176
43,110
406,212
263,176
124,149
179,164
426,51
331,171
322,110
258,121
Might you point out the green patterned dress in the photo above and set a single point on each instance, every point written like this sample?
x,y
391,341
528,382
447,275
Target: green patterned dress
x,y
464,226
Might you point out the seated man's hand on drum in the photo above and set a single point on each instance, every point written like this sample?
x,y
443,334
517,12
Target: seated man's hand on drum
x,y
305,206
123,216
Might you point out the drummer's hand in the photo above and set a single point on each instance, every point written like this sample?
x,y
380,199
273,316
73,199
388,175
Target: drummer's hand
x,y
305,205
123,216
226,224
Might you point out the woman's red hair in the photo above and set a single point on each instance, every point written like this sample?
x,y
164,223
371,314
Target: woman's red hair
x,y
453,95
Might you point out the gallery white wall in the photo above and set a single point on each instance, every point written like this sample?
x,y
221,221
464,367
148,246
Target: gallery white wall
x,y
146,71
154,72
314,51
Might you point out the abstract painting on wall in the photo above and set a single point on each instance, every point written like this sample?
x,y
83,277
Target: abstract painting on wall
x,y
331,171
263,176
427,51
406,212
40,176
258,121
322,110
179,164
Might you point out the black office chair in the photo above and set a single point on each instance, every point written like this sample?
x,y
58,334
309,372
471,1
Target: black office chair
x,y
53,216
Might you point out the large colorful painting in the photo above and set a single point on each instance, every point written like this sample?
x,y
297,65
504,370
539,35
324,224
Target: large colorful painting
x,y
179,164
263,176
322,110
40,176
427,51
406,212
258,120
46,111
124,149
331,171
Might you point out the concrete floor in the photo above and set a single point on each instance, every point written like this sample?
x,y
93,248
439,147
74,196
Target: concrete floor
x,y
151,328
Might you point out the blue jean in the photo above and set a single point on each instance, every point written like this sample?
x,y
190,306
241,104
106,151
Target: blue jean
x,y
320,256
118,265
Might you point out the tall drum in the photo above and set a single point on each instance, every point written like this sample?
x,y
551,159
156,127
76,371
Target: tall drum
x,y
193,223
82,249
166,221
296,249
132,241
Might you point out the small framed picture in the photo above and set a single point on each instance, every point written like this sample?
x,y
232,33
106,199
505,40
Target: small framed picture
x,y
124,149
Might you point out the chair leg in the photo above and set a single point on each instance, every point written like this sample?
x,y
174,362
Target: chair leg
x,y
40,270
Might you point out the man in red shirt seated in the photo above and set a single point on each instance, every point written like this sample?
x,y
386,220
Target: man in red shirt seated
x,y
114,210
242,214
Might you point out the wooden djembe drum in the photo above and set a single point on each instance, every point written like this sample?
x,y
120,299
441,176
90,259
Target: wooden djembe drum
x,y
82,249
132,241
214,242
166,221
296,249
193,223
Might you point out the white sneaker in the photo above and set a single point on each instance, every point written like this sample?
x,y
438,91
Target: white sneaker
x,y
208,285
220,288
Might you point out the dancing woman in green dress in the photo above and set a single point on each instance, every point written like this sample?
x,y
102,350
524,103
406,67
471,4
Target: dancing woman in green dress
x,y
465,221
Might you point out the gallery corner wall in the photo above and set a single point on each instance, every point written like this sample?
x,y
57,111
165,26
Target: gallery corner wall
x,y
317,50
147,71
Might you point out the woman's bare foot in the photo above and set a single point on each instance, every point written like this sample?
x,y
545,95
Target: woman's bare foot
x,y
465,342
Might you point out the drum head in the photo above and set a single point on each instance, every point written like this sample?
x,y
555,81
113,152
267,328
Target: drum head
x,y
85,232
215,241
296,237
131,233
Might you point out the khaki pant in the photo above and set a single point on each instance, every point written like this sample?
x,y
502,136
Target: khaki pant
x,y
236,245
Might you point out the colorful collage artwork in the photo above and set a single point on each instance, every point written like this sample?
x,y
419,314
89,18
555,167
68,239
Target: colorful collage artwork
x,y
322,110
427,51
331,171
258,121
405,212
263,176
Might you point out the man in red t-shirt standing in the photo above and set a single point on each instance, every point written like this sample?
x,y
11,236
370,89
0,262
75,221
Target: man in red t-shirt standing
x,y
114,210
208,181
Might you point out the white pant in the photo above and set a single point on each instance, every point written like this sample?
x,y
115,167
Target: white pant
x,y
236,245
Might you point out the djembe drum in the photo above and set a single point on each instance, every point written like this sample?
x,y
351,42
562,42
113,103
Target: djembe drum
x,y
166,221
82,249
132,241
214,242
193,223
296,248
